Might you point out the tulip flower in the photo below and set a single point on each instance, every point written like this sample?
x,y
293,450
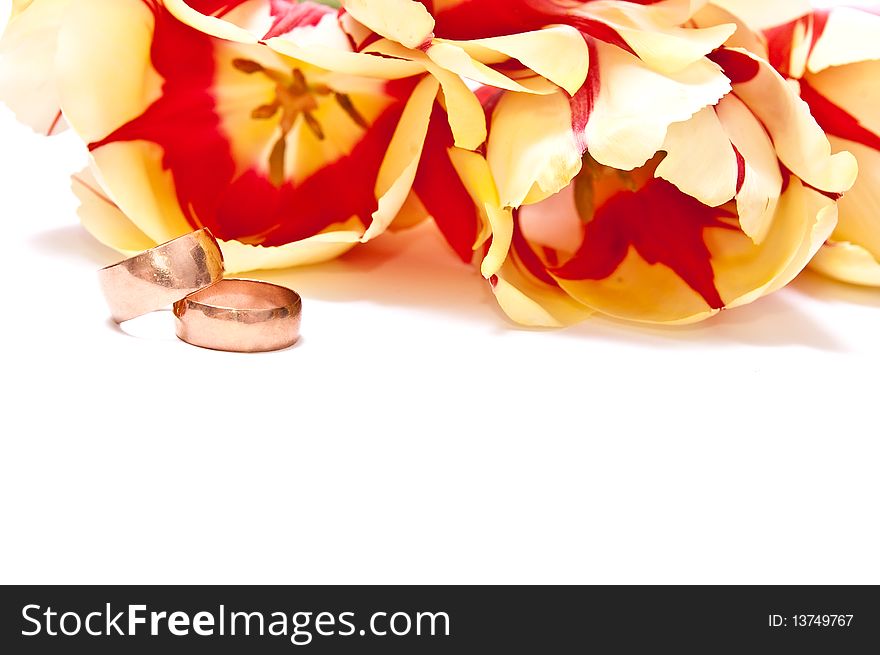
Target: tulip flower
x,y
395,32
735,203
192,121
833,55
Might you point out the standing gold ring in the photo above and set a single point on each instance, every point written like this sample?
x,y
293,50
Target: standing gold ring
x,y
161,276
240,316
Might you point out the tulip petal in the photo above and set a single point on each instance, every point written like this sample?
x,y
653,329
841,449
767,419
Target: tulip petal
x,y
211,25
799,141
442,191
528,294
636,105
103,218
762,14
532,146
653,32
328,46
464,111
401,163
847,262
455,59
849,36
760,178
845,100
700,159
404,21
534,304
474,171
860,206
640,287
242,257
538,50
28,83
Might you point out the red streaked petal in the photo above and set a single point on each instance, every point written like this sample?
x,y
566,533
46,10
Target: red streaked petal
x,y
290,14
442,192
245,207
835,120
664,226
738,67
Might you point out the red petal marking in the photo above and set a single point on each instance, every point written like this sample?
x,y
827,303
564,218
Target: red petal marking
x,y
215,7
475,19
780,41
740,169
54,124
442,192
836,120
820,22
738,67
527,255
184,122
584,100
290,14
664,225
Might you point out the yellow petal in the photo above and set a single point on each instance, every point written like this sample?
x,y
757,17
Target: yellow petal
x,y
103,218
744,37
847,262
762,181
700,160
405,21
860,206
762,14
636,105
799,141
854,89
653,32
465,113
849,36
401,162
473,169
28,78
532,146
539,50
241,257
222,29
342,61
534,304
455,59
744,271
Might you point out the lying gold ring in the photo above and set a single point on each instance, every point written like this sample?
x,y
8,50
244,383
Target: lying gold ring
x,y
240,316
161,276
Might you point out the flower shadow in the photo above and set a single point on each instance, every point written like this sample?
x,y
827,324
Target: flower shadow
x,y
825,289
415,270
73,242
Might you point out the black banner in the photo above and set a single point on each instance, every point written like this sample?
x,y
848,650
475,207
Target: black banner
x,y
512,619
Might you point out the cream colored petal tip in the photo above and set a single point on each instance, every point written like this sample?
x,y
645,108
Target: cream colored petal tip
x,y
405,21
241,257
847,262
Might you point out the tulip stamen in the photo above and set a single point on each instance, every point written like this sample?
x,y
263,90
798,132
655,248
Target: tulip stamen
x,y
348,107
294,97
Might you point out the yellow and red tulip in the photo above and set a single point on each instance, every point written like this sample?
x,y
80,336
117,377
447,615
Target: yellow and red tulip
x,y
642,159
834,56
739,198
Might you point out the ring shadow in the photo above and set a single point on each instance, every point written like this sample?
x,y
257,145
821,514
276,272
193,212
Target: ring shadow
x,y
414,269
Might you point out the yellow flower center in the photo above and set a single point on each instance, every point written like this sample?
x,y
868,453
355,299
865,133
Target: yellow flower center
x,y
295,97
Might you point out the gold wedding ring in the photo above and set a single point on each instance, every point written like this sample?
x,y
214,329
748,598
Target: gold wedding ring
x,y
240,316
161,276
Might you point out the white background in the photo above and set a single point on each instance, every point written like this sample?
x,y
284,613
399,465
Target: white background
x,y
415,435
